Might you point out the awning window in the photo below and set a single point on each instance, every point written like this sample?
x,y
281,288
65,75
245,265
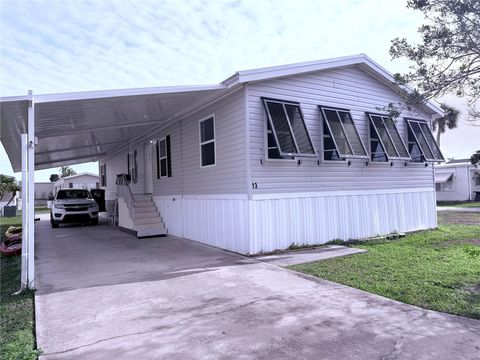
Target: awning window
x,y
419,134
343,133
387,134
288,127
443,177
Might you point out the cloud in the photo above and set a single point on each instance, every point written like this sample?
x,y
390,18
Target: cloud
x,y
58,46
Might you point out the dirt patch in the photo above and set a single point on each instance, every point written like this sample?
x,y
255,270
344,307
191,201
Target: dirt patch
x,y
475,289
461,218
462,242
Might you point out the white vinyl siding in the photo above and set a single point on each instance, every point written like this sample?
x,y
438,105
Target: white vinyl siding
x,y
171,185
228,176
117,164
346,88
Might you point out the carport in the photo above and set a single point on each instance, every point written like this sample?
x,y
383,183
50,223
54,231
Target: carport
x,y
45,131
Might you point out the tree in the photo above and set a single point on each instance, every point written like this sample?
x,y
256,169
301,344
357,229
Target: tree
x,y
475,159
8,184
447,59
54,177
67,171
447,121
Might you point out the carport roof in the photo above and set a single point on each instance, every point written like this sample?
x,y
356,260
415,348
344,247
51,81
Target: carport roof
x,y
85,126
79,127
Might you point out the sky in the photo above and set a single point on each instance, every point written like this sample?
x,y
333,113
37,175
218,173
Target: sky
x,y
69,45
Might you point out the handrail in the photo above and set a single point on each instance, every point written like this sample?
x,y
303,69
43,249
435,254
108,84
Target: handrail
x,y
125,192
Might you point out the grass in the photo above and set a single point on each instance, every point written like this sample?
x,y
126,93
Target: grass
x,y
460,204
17,340
435,269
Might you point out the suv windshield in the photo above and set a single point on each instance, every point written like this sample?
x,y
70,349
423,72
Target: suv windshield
x,y
73,194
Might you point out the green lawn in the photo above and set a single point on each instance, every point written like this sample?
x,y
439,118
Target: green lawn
x,y
17,339
437,269
461,204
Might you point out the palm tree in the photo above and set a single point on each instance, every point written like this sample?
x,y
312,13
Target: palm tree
x,y
447,121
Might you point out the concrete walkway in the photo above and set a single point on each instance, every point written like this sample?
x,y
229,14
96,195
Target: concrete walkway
x,y
103,294
458,209
295,257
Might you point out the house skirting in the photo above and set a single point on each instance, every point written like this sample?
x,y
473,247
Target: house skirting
x,y
275,221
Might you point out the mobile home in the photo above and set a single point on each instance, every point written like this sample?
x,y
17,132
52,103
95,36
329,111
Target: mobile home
x,y
457,180
296,154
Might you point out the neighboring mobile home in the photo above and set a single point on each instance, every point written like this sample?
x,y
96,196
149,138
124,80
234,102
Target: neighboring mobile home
x,y
83,180
43,190
457,180
295,154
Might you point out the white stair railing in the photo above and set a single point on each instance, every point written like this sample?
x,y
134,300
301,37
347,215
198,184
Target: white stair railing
x,y
125,192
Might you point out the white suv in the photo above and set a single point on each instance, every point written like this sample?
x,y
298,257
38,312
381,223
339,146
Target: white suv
x,y
73,206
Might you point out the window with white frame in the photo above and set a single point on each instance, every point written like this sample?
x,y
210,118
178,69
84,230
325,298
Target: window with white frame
x,y
421,143
477,180
341,138
385,140
163,158
207,142
287,134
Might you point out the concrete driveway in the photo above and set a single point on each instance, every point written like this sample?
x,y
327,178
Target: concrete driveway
x,y
103,294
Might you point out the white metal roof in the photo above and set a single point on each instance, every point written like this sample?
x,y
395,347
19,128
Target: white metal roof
x,y
85,126
441,178
79,127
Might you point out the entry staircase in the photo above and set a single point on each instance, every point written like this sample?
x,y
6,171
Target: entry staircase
x,y
146,218
137,212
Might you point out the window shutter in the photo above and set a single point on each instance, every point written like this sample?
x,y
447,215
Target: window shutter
x,y
135,168
169,159
158,159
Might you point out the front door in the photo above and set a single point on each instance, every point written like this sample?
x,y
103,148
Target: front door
x,y
148,168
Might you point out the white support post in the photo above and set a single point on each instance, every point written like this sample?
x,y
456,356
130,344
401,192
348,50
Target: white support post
x,y
31,192
24,272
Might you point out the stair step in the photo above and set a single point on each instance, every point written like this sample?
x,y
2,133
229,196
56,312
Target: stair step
x,y
149,221
144,204
142,197
147,215
145,210
151,230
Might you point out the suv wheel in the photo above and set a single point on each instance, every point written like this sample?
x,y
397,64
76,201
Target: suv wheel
x,y
53,222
